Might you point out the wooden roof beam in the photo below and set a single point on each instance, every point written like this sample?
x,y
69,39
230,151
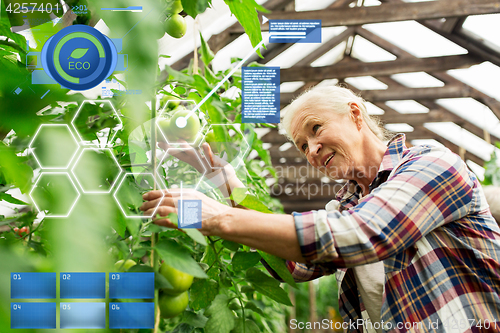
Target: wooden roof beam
x,y
406,65
390,12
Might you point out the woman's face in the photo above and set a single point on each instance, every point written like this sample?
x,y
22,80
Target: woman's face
x,y
331,142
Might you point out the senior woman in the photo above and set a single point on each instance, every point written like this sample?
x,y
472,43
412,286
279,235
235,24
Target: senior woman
x,y
410,237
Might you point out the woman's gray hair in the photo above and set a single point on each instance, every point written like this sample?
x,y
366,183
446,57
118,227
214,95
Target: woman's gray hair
x,y
334,98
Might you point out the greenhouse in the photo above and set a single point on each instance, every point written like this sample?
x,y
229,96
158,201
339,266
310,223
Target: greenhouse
x,y
242,166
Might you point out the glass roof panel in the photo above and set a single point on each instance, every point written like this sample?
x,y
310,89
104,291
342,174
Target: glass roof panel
x,y
366,83
483,77
370,3
328,82
477,169
399,127
329,58
366,51
372,109
463,138
417,80
290,87
407,106
485,26
303,5
473,111
415,39
430,142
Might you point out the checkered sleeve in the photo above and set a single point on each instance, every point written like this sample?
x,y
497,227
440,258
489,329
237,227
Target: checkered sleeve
x,y
428,188
303,272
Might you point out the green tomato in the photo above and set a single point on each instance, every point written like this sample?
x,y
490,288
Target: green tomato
x,y
174,7
214,145
171,306
175,26
170,102
189,131
165,129
180,281
129,263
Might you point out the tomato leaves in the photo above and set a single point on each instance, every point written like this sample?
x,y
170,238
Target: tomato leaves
x,y
221,319
195,7
179,258
246,13
202,293
279,266
267,286
244,260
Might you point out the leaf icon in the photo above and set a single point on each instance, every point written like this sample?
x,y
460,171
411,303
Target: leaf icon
x,y
78,53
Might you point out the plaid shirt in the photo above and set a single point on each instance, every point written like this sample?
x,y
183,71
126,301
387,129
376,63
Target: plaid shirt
x,y
427,219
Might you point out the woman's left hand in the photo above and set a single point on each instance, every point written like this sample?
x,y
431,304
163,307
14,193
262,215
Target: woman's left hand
x,y
212,211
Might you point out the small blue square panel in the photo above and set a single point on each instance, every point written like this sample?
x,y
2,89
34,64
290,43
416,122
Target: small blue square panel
x,y
33,315
83,315
83,285
190,214
132,285
33,285
131,315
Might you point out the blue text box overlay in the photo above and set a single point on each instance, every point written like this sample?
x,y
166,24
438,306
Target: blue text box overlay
x,y
132,285
33,315
83,315
83,285
131,315
33,285
294,31
261,95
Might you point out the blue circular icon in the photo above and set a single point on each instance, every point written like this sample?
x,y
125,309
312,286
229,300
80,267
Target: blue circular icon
x,y
79,57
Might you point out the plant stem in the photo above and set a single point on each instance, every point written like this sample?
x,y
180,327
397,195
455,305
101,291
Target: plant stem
x,y
238,293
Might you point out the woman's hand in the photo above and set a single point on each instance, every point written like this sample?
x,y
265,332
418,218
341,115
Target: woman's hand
x,y
190,157
212,211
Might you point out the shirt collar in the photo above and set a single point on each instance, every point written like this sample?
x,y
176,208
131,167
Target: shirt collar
x,y
350,193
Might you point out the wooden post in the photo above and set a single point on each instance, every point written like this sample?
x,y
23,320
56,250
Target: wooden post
x,y
293,309
312,305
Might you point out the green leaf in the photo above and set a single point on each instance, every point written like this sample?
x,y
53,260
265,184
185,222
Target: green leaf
x,y
250,327
9,198
78,53
194,319
195,7
179,258
246,13
230,245
13,169
240,196
267,286
183,328
221,319
206,54
252,306
202,293
279,266
244,260
196,235
178,76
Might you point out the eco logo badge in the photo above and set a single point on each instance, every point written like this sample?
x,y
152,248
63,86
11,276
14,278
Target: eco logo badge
x,y
79,57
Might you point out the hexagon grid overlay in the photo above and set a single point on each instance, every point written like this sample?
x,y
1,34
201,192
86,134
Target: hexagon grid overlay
x,y
166,114
54,146
97,123
128,194
174,171
96,170
54,193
